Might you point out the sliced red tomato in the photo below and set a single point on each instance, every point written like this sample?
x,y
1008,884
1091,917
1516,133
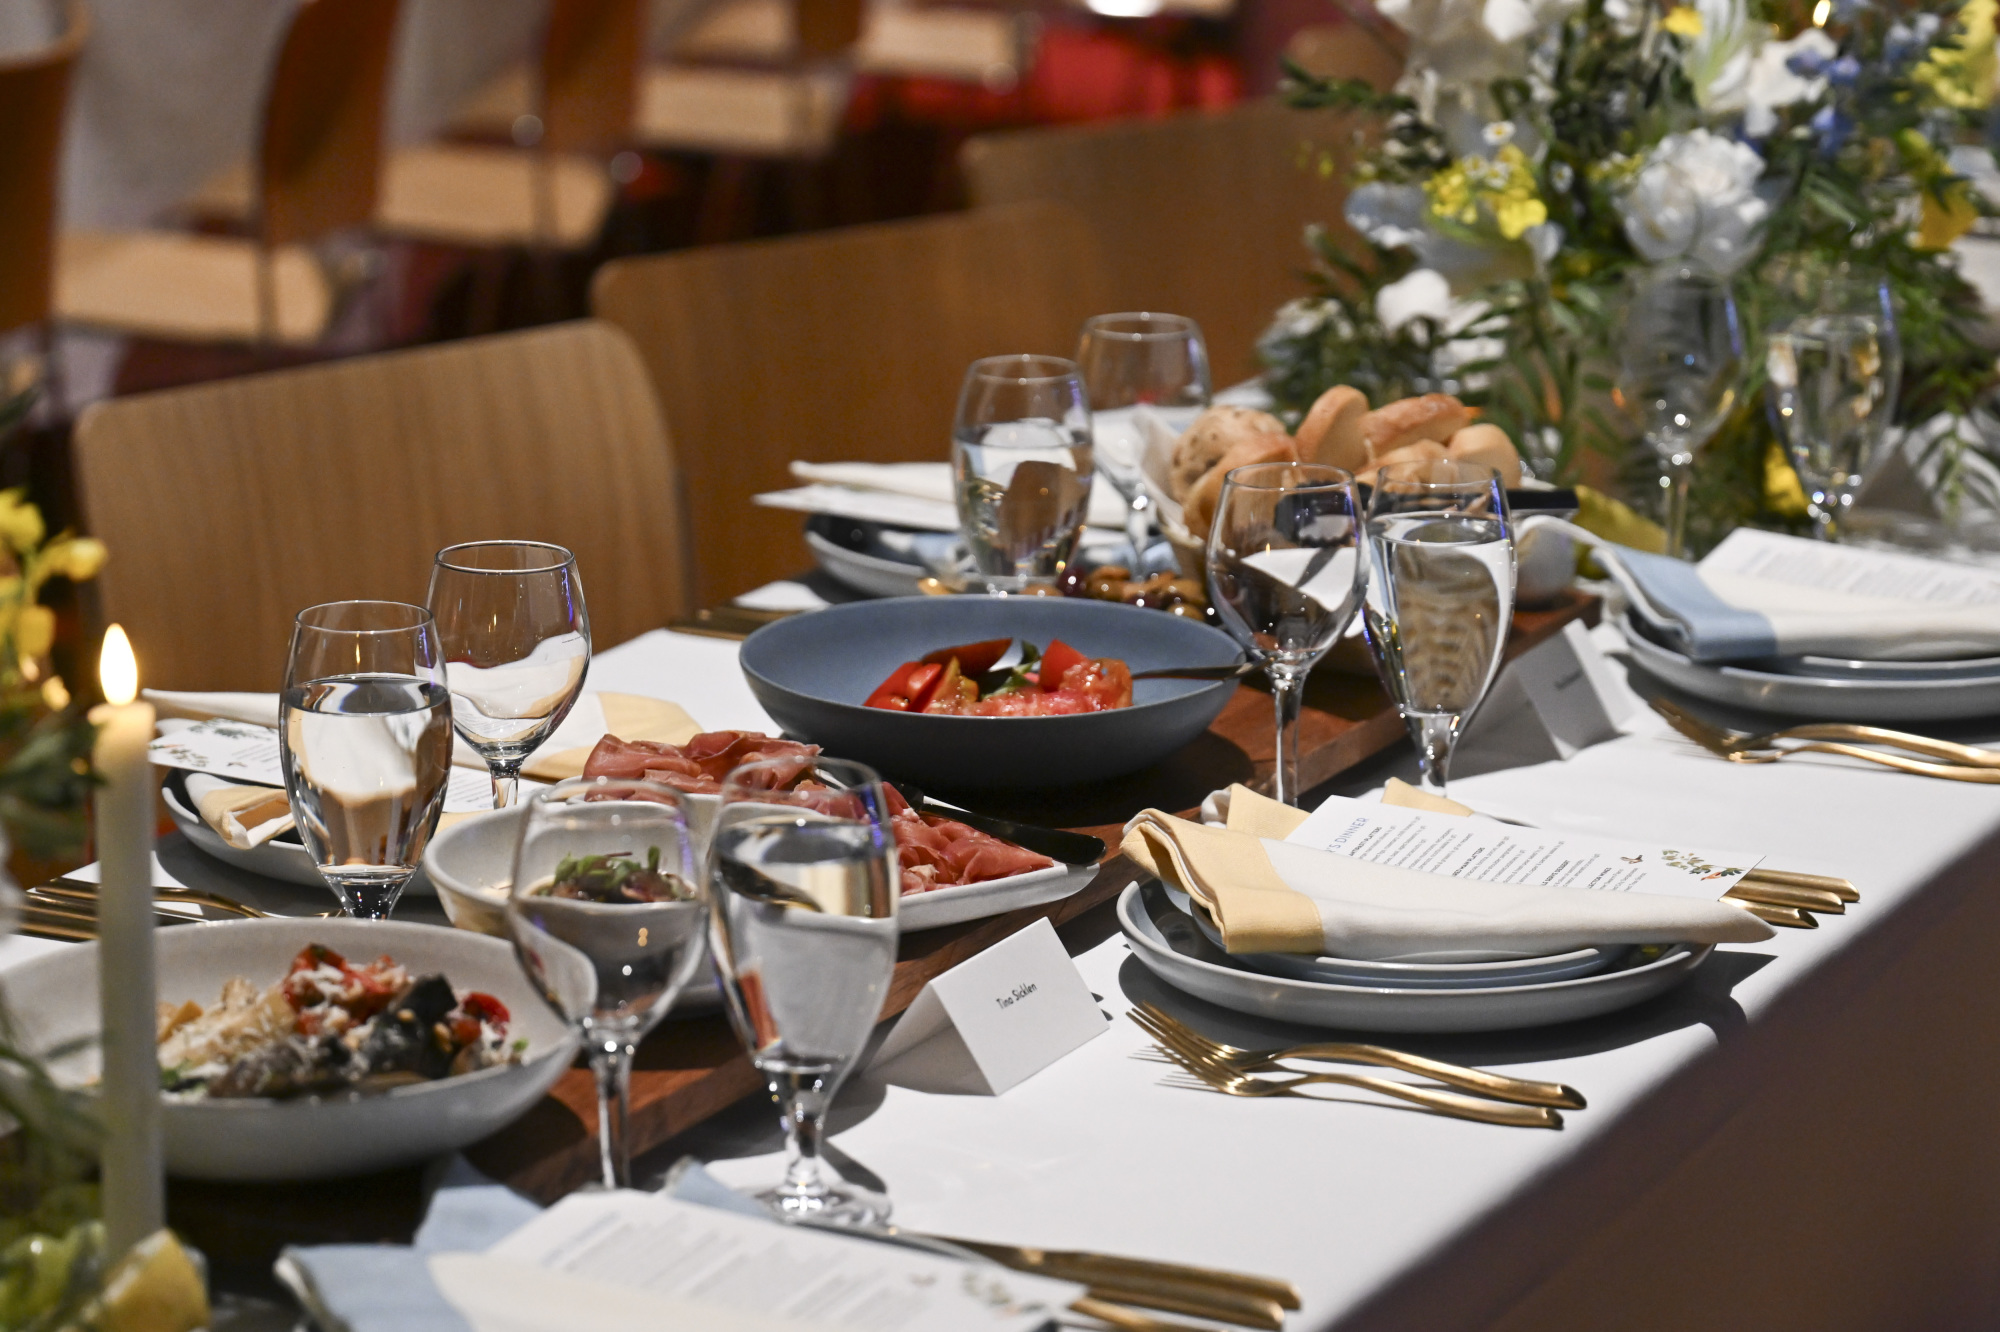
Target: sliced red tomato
x,y
973,658
485,1007
894,692
924,683
1056,663
954,692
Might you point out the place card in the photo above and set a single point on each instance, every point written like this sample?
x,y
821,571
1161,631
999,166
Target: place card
x,y
1561,697
994,1020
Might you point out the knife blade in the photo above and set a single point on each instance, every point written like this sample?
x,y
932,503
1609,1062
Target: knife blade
x,y
1068,847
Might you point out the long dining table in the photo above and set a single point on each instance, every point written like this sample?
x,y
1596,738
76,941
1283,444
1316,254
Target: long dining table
x,y
1799,1136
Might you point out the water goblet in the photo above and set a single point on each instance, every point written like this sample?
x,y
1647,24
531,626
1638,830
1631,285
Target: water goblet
x,y
1285,575
1021,468
607,916
517,644
1440,597
1830,379
1131,360
365,745
1680,355
803,891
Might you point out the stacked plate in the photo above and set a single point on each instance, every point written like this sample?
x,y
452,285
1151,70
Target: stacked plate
x,y
1829,688
1436,995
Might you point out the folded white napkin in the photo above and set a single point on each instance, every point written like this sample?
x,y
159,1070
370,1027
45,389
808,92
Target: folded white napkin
x,y
914,494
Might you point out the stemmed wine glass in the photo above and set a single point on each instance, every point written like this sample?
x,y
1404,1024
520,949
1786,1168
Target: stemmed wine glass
x,y
517,640
803,887
365,744
1021,468
1285,573
1679,360
1128,360
1440,597
1832,381
608,919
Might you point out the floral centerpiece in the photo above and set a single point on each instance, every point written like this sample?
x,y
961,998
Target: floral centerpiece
x,y
1536,152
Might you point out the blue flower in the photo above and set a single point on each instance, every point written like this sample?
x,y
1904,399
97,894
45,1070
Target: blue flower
x,y
1807,64
1843,71
1832,128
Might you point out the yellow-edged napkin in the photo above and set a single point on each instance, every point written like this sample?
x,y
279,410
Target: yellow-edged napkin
x,y
627,716
245,816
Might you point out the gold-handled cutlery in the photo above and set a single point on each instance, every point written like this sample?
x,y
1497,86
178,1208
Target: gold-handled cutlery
x,y
77,891
1128,1320
66,910
1201,1292
1740,748
1840,888
1527,1091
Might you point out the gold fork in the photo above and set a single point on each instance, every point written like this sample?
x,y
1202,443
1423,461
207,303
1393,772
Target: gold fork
x,y
1229,1081
72,891
1739,748
1157,1021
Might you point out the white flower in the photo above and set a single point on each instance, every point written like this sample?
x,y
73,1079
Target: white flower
x,y
1462,42
1718,61
1393,216
1696,199
1772,84
1424,293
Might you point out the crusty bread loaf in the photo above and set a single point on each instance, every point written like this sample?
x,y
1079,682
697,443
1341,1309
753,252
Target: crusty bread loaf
x,y
1199,507
1212,435
1435,416
1422,450
1331,432
1488,446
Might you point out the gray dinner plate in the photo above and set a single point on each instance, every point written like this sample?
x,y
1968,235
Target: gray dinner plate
x,y
1167,942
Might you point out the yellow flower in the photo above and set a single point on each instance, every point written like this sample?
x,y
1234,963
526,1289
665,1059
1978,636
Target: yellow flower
x,y
76,558
21,523
1782,493
1963,76
34,631
1517,216
1946,219
1683,21
1488,194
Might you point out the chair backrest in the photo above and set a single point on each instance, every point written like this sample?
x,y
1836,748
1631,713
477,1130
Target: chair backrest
x,y
321,151
34,95
839,345
231,506
591,53
1200,213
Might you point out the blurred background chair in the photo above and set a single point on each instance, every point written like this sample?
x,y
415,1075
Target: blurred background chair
x,y
34,97
1198,213
343,480
315,174
843,345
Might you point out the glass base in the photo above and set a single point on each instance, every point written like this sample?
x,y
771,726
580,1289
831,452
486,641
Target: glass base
x,y
838,1203
367,896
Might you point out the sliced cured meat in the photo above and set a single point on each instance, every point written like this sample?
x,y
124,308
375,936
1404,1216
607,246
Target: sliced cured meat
x,y
698,766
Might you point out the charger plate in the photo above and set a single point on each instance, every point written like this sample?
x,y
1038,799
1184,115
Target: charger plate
x,y
1168,943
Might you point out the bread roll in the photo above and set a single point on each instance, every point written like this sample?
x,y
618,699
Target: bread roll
x,y
1331,432
1435,416
1422,450
1488,446
1212,435
1198,508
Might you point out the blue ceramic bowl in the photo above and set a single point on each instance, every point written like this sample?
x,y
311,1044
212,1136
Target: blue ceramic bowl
x,y
811,673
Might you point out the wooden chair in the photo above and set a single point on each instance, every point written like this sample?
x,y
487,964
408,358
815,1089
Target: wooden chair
x,y
318,158
1201,213
230,506
34,98
838,345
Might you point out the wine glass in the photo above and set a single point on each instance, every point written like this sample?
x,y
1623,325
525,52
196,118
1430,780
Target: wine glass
x,y
1440,597
1831,383
1158,360
365,743
1021,467
1285,575
517,643
607,916
803,888
1679,359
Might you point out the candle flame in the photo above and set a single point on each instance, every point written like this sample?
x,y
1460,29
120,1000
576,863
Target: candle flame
x,y
117,668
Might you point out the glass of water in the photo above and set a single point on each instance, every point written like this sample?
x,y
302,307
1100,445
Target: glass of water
x,y
608,919
1440,597
1678,364
1021,466
1285,575
1158,361
365,741
803,890
1831,379
517,643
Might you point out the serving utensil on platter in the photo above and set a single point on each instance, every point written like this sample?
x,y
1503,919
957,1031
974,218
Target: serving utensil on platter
x,y
1527,1091
1740,748
1236,672
1068,847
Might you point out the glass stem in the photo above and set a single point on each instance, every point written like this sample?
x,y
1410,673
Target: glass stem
x,y
802,1101
1288,686
611,1061
1435,734
1138,527
1674,481
506,781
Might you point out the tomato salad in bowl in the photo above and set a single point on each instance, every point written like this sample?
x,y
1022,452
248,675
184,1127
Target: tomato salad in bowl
x,y
969,681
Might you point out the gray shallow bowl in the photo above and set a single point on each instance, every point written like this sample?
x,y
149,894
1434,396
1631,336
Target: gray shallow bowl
x,y
811,673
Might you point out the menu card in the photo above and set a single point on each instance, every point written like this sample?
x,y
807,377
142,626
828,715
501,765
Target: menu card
x,y
1493,852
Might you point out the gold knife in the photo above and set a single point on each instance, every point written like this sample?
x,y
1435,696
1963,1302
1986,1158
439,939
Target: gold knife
x,y
1213,1302
1111,1269
1128,1320
1840,888
1775,894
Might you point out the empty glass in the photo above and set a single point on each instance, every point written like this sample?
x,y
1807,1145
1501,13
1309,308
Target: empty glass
x,y
1285,574
803,890
1679,359
365,742
1440,597
608,919
1021,468
1832,383
1131,360
517,640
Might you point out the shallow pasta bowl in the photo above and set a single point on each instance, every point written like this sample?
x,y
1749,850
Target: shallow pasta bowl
x,y
812,672
53,1001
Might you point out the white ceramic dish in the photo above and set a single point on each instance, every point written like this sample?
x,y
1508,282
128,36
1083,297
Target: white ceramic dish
x,y
281,858
1847,668
53,999
1169,944
868,574
1821,698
